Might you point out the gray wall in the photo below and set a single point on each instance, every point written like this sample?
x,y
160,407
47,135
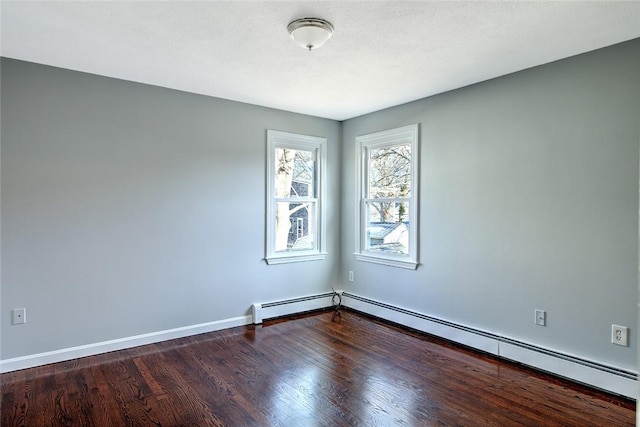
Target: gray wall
x,y
129,209
529,199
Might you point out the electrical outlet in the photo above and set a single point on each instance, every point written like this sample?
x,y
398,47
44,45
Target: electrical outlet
x,y
540,317
619,335
351,276
18,316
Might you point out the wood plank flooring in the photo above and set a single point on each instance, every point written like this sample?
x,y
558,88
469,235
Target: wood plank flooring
x,y
322,369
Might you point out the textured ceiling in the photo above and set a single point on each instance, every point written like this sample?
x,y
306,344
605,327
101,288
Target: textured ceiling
x,y
382,53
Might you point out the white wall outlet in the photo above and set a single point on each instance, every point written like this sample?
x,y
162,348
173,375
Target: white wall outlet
x,y
351,276
540,317
18,316
619,335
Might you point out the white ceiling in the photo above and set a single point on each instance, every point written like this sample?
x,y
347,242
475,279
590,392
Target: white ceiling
x,y
382,53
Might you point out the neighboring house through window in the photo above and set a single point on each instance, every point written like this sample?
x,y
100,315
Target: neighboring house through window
x,y
387,211
295,197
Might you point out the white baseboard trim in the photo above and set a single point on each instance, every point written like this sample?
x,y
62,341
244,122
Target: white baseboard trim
x,y
259,312
65,354
594,374
288,307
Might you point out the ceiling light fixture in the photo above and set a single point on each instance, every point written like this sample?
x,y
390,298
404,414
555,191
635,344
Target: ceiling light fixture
x,y
310,33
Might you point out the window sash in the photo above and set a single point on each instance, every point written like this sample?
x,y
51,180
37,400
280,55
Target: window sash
x,y
313,185
294,242
368,169
394,237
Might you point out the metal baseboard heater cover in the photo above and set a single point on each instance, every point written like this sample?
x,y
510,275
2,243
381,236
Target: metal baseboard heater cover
x,y
594,374
270,310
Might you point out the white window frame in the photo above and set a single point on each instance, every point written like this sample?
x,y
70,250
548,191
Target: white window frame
x,y
387,138
278,139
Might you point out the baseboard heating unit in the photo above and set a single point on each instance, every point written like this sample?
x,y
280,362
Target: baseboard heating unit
x,y
594,374
591,373
290,306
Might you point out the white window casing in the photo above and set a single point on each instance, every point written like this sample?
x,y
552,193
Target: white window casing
x,y
402,251
312,225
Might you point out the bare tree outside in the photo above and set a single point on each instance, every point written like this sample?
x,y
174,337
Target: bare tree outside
x,y
390,177
295,178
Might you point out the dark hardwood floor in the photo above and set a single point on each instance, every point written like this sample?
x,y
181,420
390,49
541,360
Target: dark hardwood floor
x,y
324,369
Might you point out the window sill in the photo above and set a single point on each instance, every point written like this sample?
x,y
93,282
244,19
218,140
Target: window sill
x,y
295,258
391,262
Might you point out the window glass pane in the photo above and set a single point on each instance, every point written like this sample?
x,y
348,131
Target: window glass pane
x,y
295,225
295,173
387,227
389,171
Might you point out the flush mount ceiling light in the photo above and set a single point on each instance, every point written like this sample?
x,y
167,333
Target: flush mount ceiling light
x,y
310,33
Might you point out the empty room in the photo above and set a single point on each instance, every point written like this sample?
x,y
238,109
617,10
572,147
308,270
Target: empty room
x,y
297,213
